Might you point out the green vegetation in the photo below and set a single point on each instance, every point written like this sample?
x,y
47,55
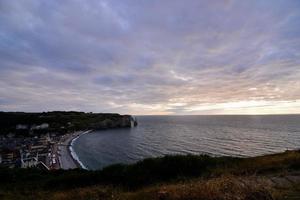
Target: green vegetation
x,y
169,177
59,121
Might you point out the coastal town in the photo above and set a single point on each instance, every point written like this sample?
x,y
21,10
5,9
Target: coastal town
x,y
46,151
44,140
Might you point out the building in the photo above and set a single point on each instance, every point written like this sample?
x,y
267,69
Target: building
x,y
29,162
22,127
9,157
39,127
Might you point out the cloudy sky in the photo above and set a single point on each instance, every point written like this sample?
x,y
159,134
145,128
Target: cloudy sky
x,y
150,56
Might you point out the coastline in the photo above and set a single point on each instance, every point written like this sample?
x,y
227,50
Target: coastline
x,y
68,159
73,153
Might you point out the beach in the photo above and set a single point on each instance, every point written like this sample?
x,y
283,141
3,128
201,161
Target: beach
x,y
67,157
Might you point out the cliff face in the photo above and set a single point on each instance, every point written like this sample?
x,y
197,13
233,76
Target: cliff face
x,y
120,121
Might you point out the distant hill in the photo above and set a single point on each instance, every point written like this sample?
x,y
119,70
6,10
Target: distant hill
x,y
59,121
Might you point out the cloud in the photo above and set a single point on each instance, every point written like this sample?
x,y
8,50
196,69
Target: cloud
x,y
150,57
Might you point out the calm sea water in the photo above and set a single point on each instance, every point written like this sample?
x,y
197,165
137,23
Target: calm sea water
x,y
214,135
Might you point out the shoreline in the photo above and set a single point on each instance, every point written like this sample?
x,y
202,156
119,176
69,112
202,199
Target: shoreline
x,y
73,153
68,159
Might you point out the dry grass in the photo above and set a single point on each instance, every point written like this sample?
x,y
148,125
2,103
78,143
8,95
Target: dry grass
x,y
85,193
268,164
222,188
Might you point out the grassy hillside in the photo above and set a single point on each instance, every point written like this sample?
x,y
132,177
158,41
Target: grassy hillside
x,y
169,177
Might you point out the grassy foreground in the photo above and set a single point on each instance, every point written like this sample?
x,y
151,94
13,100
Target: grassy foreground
x,y
170,177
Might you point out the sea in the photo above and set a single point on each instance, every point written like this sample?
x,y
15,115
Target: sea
x,y
238,135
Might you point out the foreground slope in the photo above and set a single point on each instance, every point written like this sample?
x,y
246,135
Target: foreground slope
x,y
172,177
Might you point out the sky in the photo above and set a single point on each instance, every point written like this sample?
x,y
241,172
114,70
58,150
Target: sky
x,y
150,57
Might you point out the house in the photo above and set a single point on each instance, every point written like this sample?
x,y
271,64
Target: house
x,y
39,127
29,162
21,127
9,157
44,140
40,149
28,159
